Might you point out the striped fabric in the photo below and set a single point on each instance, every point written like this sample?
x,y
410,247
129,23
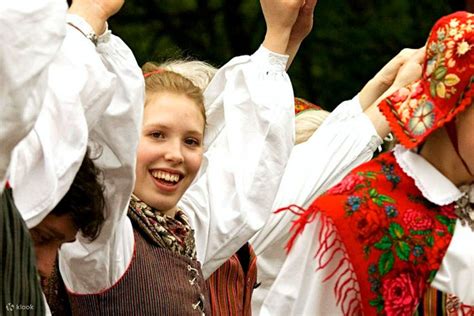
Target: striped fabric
x,y
20,287
436,303
231,286
157,282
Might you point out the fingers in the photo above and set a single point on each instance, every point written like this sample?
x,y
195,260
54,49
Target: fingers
x,y
419,55
308,7
280,17
408,73
387,74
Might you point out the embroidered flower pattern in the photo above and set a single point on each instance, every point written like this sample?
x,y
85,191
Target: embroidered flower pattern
x,y
347,184
400,241
422,119
401,294
444,54
417,109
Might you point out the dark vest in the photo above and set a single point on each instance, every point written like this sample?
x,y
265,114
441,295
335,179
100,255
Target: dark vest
x,y
157,282
20,289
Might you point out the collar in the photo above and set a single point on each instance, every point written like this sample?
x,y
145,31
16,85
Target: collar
x,y
434,186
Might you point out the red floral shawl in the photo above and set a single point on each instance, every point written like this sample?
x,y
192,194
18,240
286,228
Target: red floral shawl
x,y
388,240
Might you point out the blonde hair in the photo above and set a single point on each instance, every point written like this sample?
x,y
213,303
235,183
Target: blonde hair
x,y
180,76
307,122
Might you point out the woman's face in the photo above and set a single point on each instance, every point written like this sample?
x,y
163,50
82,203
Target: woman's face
x,y
48,236
170,150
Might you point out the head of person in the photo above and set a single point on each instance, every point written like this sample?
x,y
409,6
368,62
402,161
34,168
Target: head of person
x,y
80,210
170,150
309,118
435,113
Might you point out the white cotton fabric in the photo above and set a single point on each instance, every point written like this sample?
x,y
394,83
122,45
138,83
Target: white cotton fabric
x,y
345,140
88,267
31,32
251,133
301,290
44,164
249,138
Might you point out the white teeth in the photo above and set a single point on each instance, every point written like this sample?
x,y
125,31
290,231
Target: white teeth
x,y
165,176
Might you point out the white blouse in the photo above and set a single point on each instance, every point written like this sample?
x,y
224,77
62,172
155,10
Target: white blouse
x,y
31,32
300,290
345,140
249,138
87,267
250,134
79,88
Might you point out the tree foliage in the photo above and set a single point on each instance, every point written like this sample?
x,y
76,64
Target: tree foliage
x,y
350,41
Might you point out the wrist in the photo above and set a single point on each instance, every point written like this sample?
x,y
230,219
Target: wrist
x,y
277,41
93,17
80,24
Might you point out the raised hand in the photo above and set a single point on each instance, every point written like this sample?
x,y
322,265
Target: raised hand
x,y
96,12
302,27
405,68
385,78
411,70
280,17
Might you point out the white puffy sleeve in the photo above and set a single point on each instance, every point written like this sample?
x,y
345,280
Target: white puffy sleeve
x,y
249,136
345,140
31,32
79,88
88,267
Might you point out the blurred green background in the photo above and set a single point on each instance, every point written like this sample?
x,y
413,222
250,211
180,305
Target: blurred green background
x,y
350,41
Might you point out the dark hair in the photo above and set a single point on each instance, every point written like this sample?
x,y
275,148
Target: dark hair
x,y
85,200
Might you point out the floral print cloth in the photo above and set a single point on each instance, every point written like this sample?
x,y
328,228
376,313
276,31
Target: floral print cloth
x,y
173,233
393,238
444,90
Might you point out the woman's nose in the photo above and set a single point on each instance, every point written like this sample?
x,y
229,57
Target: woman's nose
x,y
174,152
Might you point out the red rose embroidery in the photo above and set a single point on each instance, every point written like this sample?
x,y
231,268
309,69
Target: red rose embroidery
x,y
448,211
400,295
347,184
368,224
417,220
437,253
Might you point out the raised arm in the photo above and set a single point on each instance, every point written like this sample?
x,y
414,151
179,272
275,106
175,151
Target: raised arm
x,y
280,17
249,138
400,71
31,33
88,267
385,78
302,27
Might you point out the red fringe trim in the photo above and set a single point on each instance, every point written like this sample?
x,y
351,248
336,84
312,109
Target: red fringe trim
x,y
467,310
331,247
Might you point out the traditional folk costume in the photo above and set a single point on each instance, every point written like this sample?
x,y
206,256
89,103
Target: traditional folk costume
x,y
116,273
345,140
77,95
29,44
374,243
231,287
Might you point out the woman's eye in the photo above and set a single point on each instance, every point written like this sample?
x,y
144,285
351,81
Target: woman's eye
x,y
192,142
39,239
157,135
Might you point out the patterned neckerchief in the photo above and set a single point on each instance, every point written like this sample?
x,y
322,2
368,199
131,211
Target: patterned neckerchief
x,y
173,233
